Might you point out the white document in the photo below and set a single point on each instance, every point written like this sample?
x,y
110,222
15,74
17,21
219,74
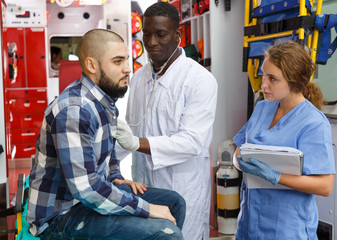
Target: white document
x,y
283,159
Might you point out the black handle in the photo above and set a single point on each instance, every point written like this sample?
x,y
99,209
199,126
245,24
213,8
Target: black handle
x,y
227,5
245,59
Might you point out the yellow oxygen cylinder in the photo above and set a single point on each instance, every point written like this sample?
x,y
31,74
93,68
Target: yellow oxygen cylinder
x,y
228,190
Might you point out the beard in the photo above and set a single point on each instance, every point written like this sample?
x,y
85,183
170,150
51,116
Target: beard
x,y
110,88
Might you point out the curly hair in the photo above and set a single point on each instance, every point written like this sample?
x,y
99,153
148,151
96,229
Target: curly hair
x,y
163,9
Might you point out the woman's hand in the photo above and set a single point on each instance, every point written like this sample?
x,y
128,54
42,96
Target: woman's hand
x,y
259,169
136,186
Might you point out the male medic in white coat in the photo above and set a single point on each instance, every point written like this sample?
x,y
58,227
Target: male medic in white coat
x,y
171,110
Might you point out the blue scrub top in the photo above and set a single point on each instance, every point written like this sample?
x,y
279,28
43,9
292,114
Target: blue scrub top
x,y
285,214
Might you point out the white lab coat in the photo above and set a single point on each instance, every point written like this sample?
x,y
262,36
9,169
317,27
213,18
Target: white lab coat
x,y
179,129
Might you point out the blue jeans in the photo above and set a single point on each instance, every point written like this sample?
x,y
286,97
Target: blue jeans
x,y
82,222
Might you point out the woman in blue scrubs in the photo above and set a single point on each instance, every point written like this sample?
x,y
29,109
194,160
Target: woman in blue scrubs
x,y
288,117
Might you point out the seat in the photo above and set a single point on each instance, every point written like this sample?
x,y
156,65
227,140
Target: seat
x,y
69,72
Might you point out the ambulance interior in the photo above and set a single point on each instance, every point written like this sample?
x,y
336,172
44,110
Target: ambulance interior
x,y
30,80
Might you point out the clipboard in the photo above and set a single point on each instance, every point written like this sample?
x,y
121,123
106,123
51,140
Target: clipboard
x,y
283,159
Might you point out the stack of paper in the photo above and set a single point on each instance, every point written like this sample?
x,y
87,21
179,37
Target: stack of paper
x,y
283,159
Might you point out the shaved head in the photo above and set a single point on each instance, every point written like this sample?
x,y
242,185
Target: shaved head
x,y
94,44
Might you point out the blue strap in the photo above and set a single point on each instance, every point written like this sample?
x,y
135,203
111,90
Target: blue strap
x,y
326,49
274,6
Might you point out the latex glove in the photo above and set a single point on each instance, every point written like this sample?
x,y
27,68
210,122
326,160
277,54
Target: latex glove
x,y
260,169
125,136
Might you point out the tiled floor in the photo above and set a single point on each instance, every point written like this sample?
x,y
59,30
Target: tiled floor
x,y
214,235
223,237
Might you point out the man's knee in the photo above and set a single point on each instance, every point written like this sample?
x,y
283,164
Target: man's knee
x,y
179,203
181,200
169,232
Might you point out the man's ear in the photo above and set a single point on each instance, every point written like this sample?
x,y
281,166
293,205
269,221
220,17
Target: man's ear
x,y
179,33
91,64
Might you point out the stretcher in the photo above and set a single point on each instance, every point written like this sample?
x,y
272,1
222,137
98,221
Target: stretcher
x,y
283,20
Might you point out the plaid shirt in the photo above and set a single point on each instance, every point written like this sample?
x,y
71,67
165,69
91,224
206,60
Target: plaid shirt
x,y
75,159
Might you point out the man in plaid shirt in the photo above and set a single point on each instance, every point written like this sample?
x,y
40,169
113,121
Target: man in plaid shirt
x,y
76,188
